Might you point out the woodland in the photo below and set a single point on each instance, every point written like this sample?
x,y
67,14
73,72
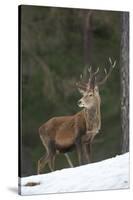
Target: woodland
x,y
56,46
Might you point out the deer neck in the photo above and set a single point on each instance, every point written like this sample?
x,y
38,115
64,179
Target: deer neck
x,y
93,118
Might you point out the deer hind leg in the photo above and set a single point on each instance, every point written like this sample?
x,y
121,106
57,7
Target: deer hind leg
x,y
41,163
47,159
51,163
52,154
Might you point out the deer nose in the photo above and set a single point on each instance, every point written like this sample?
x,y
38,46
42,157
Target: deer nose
x,y
79,102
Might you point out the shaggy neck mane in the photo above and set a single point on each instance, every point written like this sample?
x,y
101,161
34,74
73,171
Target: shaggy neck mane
x,y
93,117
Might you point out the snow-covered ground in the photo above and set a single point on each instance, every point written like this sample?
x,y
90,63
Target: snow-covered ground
x,y
112,173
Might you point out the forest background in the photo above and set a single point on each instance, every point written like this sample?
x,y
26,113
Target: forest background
x,y
57,45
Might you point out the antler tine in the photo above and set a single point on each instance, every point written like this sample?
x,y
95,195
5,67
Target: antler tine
x,y
93,77
90,71
96,72
110,60
113,64
107,73
81,76
105,70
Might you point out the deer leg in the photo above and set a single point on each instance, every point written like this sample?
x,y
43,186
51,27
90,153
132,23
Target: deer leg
x,y
87,146
85,157
51,162
52,153
87,153
79,151
48,159
79,156
69,160
42,162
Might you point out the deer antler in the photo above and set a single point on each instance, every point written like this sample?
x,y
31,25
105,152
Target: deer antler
x,y
90,71
96,72
81,86
92,79
107,74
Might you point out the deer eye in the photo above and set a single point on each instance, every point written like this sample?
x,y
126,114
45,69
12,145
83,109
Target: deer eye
x,y
90,95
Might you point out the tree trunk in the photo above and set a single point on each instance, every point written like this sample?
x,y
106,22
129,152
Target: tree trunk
x,y
124,55
87,36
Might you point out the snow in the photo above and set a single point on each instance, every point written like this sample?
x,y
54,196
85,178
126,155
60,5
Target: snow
x,y
108,174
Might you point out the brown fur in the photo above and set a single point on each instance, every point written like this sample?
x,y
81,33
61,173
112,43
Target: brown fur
x,y
61,130
62,134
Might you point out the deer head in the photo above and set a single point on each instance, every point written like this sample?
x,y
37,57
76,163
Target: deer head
x,y
90,90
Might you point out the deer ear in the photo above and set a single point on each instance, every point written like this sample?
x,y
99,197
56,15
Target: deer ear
x,y
81,91
81,87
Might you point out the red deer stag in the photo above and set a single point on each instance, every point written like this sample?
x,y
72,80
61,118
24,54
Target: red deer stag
x,y
61,134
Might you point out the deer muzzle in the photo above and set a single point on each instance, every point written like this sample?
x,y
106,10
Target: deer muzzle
x,y
80,103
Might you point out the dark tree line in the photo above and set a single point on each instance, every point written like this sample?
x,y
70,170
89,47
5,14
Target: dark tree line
x,y
57,45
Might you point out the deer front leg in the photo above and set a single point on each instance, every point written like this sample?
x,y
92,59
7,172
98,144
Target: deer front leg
x,y
87,153
87,143
69,160
79,151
